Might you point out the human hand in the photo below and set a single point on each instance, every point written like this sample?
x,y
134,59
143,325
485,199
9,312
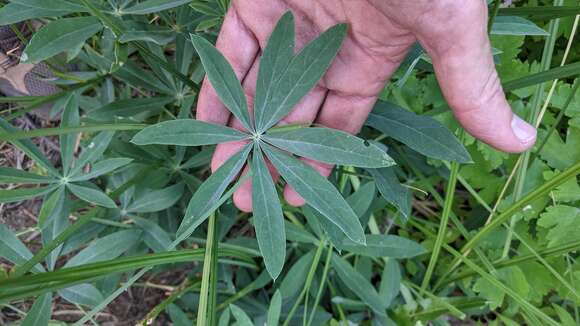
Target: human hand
x,y
454,34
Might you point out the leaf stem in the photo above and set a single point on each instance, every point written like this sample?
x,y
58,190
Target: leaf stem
x,y
205,311
322,284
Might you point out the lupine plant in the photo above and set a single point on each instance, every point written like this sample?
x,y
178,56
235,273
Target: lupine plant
x,y
417,224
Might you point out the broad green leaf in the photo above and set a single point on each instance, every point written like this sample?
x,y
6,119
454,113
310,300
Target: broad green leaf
x,y
240,316
381,245
39,314
105,248
390,281
151,6
268,217
20,194
13,13
93,151
12,249
273,63
275,309
157,36
423,134
58,36
102,167
70,118
359,285
317,192
302,74
11,175
51,5
91,195
156,200
224,318
296,276
330,146
223,79
83,294
154,236
210,192
295,233
178,317
392,190
513,25
141,107
187,132
28,147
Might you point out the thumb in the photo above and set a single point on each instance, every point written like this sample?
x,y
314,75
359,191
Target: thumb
x,y
456,39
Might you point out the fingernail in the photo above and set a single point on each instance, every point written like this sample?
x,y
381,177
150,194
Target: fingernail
x,y
523,130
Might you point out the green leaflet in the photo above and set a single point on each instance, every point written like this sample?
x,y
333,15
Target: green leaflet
x,y
390,281
421,133
106,248
392,190
92,151
52,5
156,200
151,6
154,236
40,312
159,37
187,132
330,146
358,284
20,194
381,245
275,309
58,36
318,192
91,195
273,63
302,74
12,249
70,118
240,316
102,167
83,294
223,79
10,175
140,107
13,13
513,25
268,217
211,190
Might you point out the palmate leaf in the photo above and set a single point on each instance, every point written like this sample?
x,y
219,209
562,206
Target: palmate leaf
x,y
223,79
302,74
273,63
268,216
187,132
211,190
317,191
423,134
330,146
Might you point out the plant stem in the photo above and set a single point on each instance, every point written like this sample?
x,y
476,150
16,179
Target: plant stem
x,y
309,279
322,284
205,311
450,192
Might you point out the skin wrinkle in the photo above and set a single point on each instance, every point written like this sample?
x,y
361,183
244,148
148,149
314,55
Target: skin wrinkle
x,y
454,34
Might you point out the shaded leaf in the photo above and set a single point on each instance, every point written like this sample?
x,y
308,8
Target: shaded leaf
x,y
12,249
381,245
58,36
390,281
156,200
151,6
513,25
240,316
105,248
13,13
40,312
11,175
20,194
392,190
142,107
83,294
275,309
102,167
91,195
423,134
70,117
93,151
154,236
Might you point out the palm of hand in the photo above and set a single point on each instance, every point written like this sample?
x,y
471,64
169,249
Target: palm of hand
x,y
380,33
